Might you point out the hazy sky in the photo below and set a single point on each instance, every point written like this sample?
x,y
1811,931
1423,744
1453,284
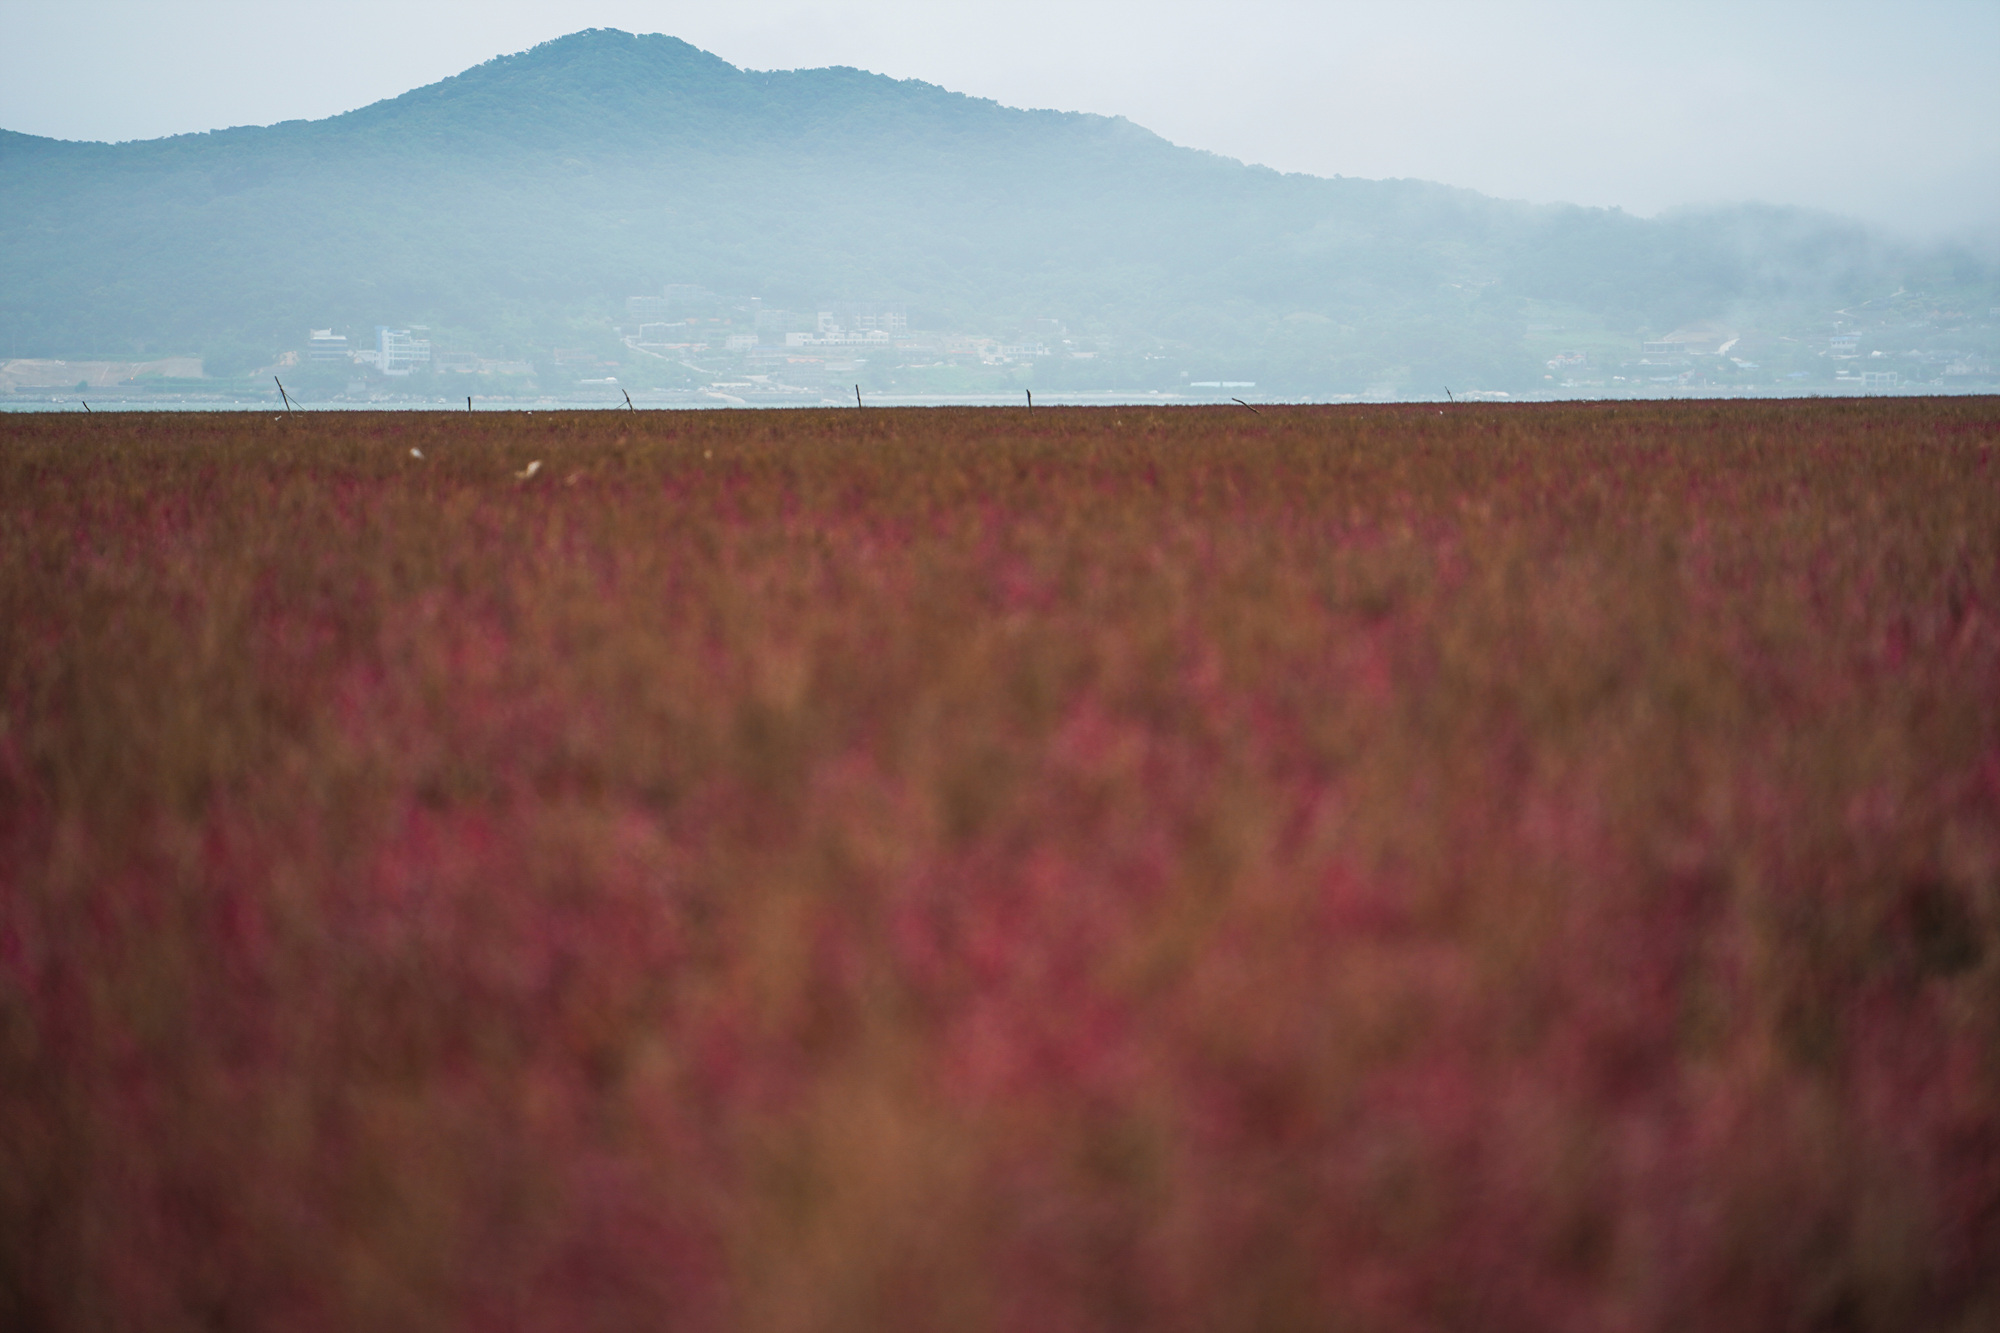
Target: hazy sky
x,y
1887,111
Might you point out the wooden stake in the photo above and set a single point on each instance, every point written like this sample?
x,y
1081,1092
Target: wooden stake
x,y
857,395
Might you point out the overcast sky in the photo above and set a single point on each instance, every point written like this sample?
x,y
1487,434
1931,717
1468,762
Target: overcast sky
x,y
1887,111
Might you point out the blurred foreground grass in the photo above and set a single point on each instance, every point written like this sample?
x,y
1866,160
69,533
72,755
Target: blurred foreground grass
x,y
1376,869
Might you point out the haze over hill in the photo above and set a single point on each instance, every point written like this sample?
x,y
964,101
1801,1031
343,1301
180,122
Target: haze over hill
x,y
508,215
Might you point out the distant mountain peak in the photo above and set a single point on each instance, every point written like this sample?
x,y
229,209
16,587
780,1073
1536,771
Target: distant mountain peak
x,y
524,200
605,69
656,48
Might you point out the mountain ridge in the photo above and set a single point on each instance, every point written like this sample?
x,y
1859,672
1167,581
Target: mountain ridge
x,y
519,202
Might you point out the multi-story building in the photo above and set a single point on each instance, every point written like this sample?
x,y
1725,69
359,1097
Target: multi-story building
x,y
398,353
889,319
326,345
864,319
835,336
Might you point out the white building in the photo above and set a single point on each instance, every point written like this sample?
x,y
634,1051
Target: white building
x,y
854,321
326,345
835,336
397,353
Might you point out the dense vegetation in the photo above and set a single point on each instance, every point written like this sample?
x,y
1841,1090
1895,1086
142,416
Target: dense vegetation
x,y
516,206
1334,868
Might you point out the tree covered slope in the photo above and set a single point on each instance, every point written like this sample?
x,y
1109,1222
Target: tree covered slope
x,y
540,189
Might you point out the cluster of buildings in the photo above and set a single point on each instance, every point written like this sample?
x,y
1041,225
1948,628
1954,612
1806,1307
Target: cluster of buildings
x,y
1909,339
1691,357
688,334
400,352
805,351
1897,343
690,319
747,348
396,351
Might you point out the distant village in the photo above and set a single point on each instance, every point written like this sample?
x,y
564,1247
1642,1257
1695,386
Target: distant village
x,y
1901,343
743,351
687,344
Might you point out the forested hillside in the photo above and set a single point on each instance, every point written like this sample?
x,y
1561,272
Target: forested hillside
x,y
523,200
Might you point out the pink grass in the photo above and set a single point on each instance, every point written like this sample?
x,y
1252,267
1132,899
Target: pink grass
x,y
1515,869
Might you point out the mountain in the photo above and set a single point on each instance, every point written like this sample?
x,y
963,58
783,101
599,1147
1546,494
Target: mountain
x,y
514,207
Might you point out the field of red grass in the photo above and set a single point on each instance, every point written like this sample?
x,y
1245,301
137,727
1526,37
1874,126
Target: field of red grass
x,y
1331,869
